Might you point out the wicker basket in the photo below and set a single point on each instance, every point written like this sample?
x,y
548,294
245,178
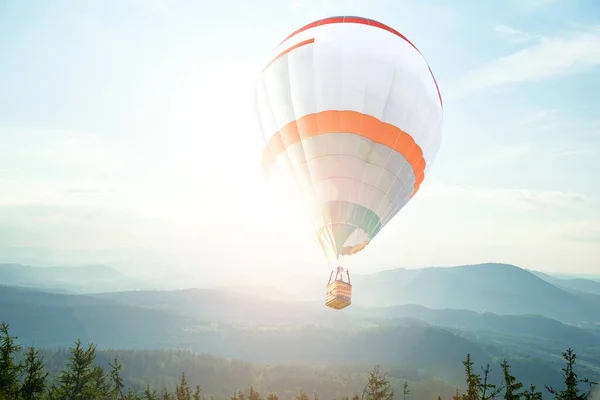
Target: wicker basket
x,y
338,295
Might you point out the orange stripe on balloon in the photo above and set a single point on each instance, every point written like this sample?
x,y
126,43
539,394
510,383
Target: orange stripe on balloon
x,y
343,122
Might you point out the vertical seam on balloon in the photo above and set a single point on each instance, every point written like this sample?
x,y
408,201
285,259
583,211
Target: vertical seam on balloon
x,y
412,149
362,120
401,193
329,238
269,141
391,149
341,95
389,215
261,122
288,50
310,178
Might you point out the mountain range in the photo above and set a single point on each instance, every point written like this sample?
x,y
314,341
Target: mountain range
x,y
262,331
428,318
496,288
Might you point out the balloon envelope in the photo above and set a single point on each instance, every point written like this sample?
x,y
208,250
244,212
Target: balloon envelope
x,y
350,107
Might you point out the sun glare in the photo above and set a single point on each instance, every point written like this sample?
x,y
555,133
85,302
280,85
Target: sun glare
x,y
211,138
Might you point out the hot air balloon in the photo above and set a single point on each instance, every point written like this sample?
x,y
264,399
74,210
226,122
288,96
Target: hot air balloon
x,y
351,109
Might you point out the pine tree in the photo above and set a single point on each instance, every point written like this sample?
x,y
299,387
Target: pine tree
x,y
487,391
473,380
150,394
240,396
118,386
511,385
183,390
253,394
100,385
197,393
378,387
81,378
457,395
303,396
166,395
532,393
572,380
130,395
405,390
9,368
34,377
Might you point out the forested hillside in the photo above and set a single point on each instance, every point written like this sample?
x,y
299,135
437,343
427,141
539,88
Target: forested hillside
x,y
83,373
274,337
232,325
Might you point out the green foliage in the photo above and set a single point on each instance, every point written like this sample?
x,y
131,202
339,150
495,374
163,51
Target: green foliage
x,y
9,368
81,379
150,394
478,388
572,391
302,396
511,386
378,387
35,378
532,393
405,390
118,386
473,379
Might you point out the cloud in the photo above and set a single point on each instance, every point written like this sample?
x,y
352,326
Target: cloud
x,y
548,58
499,155
550,125
86,226
519,199
577,152
83,191
532,139
581,231
79,149
540,118
512,34
541,134
528,199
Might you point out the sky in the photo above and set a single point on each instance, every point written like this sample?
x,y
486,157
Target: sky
x,y
130,124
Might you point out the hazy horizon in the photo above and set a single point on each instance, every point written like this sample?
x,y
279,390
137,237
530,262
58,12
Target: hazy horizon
x,y
161,269
130,125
